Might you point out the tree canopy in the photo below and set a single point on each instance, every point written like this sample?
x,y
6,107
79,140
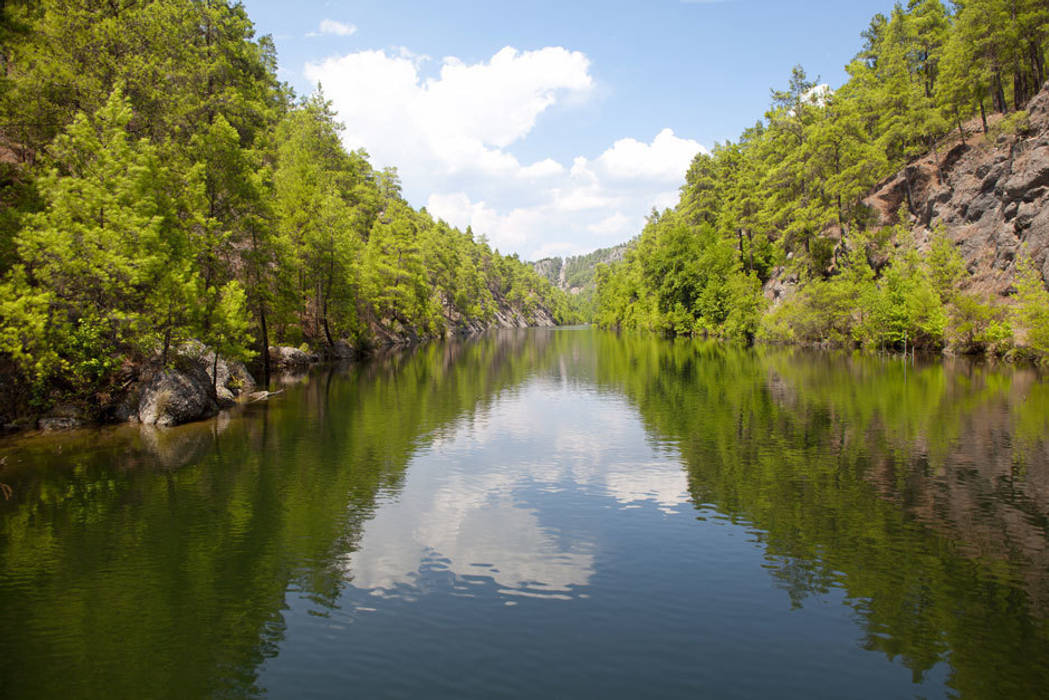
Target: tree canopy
x,y
787,198
167,186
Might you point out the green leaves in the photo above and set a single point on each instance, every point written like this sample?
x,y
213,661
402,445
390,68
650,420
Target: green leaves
x,y
175,191
787,198
681,280
229,333
93,259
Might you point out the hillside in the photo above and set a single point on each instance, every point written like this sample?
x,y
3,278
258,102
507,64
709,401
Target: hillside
x,y
161,188
905,209
577,276
989,193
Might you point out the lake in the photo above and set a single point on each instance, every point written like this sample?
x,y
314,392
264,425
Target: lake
x,y
552,513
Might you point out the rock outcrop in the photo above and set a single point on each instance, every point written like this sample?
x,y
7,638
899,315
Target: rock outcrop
x,y
991,195
176,396
233,379
577,274
184,391
62,417
505,317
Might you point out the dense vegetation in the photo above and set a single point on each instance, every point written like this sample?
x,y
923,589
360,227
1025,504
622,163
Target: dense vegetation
x,y
786,199
158,183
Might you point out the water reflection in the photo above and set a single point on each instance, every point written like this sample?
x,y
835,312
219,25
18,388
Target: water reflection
x,y
675,508
476,498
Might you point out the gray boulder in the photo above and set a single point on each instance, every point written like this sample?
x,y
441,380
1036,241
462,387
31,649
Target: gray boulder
x,y
176,396
286,356
1029,172
231,379
234,381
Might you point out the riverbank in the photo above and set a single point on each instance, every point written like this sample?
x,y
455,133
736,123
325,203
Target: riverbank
x,y
195,383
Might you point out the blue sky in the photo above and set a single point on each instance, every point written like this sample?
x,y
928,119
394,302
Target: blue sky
x,y
552,127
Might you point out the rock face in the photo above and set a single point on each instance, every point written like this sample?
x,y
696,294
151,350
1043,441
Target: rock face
x,y
186,391
233,381
513,318
991,197
576,274
176,396
63,417
505,317
780,286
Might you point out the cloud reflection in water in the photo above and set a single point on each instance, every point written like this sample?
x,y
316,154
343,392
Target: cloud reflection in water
x,y
473,503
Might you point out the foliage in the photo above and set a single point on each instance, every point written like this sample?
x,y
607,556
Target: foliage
x,y
169,187
786,200
683,280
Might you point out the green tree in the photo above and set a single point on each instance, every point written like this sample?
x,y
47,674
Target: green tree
x,y
106,262
1031,312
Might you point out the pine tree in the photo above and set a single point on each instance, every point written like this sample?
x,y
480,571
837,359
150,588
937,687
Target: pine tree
x,y
106,261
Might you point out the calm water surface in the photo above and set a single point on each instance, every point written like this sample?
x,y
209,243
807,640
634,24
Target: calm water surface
x,y
547,513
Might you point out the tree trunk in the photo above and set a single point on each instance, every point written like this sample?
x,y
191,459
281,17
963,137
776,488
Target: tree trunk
x,y
167,339
324,319
910,194
327,291
215,374
983,117
936,155
167,345
1037,66
998,93
265,346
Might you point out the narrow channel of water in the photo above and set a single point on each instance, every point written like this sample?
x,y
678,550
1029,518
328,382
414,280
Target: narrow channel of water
x,y
562,513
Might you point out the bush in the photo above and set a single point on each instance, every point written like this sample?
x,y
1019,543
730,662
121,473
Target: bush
x,y
1015,124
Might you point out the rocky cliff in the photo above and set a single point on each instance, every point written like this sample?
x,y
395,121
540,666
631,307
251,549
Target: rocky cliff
x,y
990,193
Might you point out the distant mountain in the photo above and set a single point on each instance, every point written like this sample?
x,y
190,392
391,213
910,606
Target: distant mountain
x,y
576,274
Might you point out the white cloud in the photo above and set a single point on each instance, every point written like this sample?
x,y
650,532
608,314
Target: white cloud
x,y
450,135
460,121
331,26
666,159
544,168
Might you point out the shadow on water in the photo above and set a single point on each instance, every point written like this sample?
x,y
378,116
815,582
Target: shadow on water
x,y
145,562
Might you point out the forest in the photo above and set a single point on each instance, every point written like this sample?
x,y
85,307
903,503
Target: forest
x,y
158,184
787,200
